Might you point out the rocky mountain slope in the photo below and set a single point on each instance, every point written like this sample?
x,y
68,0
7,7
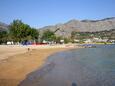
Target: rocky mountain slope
x,y
82,26
3,27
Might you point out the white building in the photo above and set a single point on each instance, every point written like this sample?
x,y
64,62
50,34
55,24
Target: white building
x,y
10,43
88,41
99,40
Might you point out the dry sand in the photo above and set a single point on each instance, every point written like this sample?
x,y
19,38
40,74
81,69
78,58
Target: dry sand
x,y
16,62
10,50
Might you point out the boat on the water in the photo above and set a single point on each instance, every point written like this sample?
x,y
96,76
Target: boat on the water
x,y
89,46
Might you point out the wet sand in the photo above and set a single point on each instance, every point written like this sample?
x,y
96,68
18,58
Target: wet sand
x,y
16,66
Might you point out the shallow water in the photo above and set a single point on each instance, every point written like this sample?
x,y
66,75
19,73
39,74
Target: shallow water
x,y
76,67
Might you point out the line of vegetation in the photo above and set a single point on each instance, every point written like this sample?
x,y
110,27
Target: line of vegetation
x,y
21,33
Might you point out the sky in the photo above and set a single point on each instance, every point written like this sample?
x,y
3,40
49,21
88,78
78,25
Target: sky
x,y
39,13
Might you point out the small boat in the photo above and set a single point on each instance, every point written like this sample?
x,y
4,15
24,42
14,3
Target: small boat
x,y
89,46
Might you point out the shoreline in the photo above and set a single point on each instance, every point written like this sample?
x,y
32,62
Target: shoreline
x,y
15,68
7,51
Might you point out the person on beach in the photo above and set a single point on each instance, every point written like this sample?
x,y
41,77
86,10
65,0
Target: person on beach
x,y
28,49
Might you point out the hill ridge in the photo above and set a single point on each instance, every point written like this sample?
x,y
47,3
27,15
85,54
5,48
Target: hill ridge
x,y
83,26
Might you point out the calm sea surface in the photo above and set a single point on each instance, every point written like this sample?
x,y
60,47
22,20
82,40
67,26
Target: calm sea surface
x,y
76,67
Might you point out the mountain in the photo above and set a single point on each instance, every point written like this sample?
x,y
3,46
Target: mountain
x,y
3,27
82,26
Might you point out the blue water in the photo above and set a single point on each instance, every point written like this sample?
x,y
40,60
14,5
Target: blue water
x,y
77,67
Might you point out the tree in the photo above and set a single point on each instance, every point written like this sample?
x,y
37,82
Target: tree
x,y
3,37
34,34
58,38
17,30
48,35
73,35
66,40
20,32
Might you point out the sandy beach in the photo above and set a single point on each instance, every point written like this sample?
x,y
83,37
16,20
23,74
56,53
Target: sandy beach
x,y
16,61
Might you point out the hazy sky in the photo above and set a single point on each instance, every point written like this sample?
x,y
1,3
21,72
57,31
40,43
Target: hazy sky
x,y
38,13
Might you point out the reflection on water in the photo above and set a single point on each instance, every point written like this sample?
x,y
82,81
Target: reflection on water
x,y
77,67
74,84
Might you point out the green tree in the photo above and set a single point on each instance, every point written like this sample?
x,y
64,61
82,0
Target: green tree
x,y
3,37
58,38
66,40
34,34
73,36
16,30
20,32
48,35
